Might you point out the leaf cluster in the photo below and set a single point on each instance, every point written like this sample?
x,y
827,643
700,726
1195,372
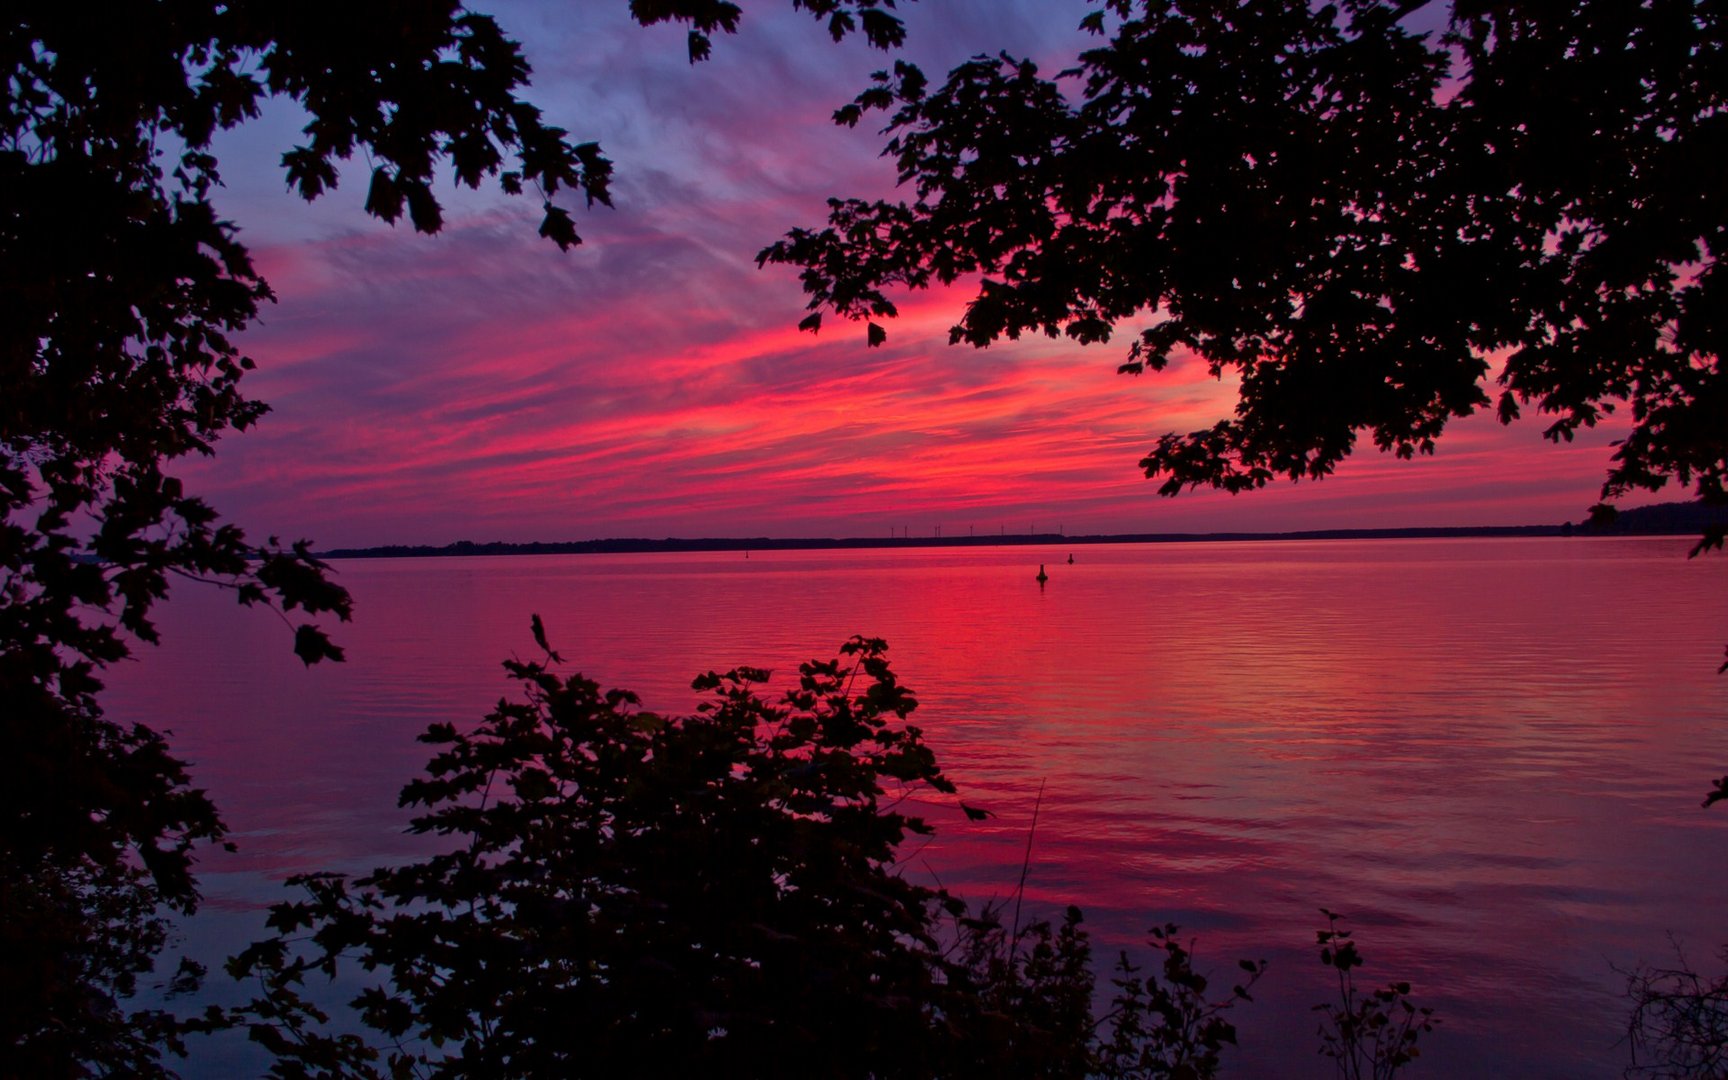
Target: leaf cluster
x,y
1020,997
1351,217
1368,1034
75,941
872,18
1166,1027
101,825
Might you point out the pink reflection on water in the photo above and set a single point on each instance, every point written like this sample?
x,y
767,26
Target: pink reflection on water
x,y
1488,753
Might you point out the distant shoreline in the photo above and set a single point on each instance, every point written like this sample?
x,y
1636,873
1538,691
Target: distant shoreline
x,y
1666,519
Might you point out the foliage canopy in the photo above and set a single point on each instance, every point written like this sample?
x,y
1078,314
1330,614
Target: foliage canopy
x,y
1361,221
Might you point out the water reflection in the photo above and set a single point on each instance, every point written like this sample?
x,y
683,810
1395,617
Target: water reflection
x,y
1488,753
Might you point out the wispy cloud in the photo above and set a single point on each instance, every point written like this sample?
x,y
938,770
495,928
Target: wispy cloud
x,y
480,384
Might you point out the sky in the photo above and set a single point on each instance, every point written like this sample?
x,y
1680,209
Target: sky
x,y
481,385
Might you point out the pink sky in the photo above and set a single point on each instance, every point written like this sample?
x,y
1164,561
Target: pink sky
x,y
481,385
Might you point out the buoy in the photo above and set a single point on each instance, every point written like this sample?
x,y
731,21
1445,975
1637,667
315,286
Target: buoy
x,y
1070,558
1042,576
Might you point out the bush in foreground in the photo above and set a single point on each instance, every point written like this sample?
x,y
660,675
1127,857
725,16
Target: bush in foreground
x,y
632,894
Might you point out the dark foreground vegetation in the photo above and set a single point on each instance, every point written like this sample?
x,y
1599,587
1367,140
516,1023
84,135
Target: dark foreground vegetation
x,y
718,895
626,893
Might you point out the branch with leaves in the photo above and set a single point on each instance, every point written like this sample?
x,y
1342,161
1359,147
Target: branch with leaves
x,y
1306,198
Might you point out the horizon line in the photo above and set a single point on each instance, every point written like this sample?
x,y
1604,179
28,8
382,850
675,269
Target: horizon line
x,y
1670,523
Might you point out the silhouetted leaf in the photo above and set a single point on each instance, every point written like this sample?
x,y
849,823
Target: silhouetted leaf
x,y
312,645
558,227
309,172
384,197
539,630
423,209
699,46
1718,792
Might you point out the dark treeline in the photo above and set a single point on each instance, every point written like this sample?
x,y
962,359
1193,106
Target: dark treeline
x,y
1664,519
795,543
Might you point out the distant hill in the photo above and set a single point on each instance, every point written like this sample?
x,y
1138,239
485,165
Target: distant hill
x,y
1660,519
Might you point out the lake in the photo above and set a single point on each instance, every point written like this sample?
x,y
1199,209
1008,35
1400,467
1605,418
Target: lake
x,y
1488,753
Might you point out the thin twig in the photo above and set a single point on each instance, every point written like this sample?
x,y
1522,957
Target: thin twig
x,y
1025,866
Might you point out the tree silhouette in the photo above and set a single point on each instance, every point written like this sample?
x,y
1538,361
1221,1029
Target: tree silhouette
x,y
1361,221
121,290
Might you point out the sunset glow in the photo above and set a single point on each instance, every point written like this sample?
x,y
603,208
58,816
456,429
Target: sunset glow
x,y
481,385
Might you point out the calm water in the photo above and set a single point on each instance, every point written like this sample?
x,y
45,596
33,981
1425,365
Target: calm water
x,y
1488,753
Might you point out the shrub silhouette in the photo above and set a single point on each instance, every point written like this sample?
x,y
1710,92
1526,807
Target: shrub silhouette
x,y
1370,1033
1678,1026
633,894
